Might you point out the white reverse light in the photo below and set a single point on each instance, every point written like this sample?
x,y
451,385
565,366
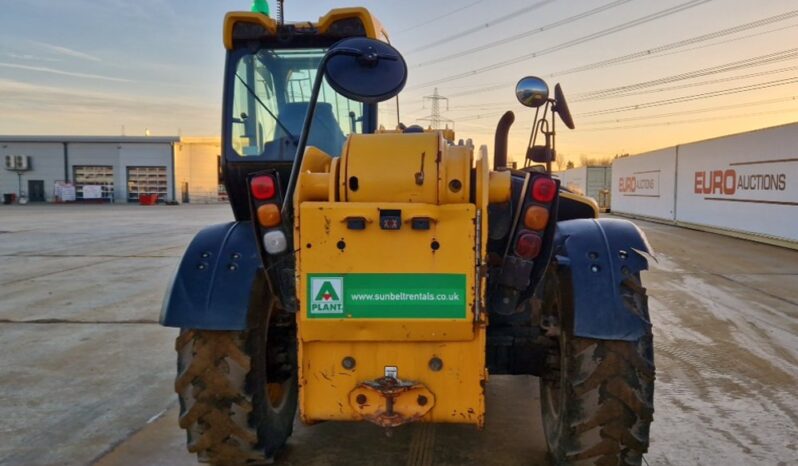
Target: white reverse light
x,y
274,242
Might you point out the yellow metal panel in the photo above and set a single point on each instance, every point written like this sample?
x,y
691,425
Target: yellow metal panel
x,y
500,187
482,200
372,25
457,387
583,200
454,183
374,28
234,17
322,225
392,167
314,176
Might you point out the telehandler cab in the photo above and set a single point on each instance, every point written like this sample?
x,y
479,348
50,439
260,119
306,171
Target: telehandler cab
x,y
382,275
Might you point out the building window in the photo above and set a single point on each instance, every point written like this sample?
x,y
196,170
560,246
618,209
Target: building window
x,y
146,180
94,182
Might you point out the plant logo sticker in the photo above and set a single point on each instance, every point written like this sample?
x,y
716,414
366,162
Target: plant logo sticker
x,y
326,295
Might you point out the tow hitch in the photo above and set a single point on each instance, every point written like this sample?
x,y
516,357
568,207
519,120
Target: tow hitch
x,y
390,402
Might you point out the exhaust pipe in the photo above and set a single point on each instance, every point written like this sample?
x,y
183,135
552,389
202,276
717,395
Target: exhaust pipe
x,y
500,143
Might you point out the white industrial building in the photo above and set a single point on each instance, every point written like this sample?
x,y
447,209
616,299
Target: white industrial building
x,y
110,168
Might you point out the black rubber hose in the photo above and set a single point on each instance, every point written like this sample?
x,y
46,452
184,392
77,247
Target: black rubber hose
x,y
500,143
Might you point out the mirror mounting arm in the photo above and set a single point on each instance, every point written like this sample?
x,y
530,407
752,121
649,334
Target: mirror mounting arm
x,y
288,201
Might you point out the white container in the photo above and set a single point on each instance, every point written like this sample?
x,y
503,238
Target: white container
x,y
644,184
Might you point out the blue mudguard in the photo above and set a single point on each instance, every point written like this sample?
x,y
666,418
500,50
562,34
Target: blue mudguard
x,y
600,254
212,287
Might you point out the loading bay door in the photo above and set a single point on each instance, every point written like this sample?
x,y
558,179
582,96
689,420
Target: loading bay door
x,y
146,180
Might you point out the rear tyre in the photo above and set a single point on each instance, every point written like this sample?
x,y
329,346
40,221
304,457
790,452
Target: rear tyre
x,y
597,398
238,390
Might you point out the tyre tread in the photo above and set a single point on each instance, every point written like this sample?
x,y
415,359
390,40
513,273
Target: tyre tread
x,y
215,404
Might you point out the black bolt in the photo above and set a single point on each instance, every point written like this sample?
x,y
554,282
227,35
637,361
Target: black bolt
x,y
361,399
341,245
232,267
593,255
435,245
202,266
422,400
455,185
205,254
236,256
623,254
348,363
595,268
435,364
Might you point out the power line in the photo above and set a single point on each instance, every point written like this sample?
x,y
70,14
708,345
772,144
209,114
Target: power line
x,y
438,18
590,37
657,51
759,60
719,108
659,103
634,90
696,84
692,112
698,47
688,98
681,43
524,34
486,25
695,120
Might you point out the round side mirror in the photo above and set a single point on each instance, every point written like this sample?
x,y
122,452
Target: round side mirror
x,y
532,91
561,107
365,70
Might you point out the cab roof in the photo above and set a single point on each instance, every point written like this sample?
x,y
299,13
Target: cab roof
x,y
338,18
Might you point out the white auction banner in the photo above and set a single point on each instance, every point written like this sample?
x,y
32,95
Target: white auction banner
x,y
644,184
745,182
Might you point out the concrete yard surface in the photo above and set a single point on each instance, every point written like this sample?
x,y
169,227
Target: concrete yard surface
x,y
86,373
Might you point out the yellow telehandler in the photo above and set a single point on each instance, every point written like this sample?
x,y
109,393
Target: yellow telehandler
x,y
381,275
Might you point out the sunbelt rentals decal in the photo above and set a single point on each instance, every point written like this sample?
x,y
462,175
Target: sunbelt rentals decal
x,y
387,296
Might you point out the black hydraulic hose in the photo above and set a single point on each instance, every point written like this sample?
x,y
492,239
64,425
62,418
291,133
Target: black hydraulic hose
x,y
500,142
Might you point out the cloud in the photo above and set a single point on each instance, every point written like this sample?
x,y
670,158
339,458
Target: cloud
x,y
27,108
44,69
30,57
67,52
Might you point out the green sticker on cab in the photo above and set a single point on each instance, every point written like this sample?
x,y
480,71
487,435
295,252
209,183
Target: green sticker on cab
x,y
387,296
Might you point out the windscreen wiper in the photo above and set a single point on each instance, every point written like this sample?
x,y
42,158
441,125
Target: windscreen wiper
x,y
291,136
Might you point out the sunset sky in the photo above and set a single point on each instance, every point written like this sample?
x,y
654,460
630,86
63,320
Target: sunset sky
x,y
639,74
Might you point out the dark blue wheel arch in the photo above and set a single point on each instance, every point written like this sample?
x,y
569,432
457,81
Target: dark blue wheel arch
x,y
213,285
599,254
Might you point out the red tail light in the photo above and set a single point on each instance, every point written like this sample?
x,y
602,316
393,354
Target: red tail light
x,y
262,188
528,245
544,189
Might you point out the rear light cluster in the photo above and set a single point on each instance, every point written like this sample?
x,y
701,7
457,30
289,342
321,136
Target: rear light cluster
x,y
266,202
535,217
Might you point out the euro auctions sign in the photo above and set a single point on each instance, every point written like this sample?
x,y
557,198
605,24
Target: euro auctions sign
x,y
643,183
754,180
746,182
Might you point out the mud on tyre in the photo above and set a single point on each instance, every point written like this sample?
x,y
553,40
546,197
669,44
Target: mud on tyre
x,y
597,398
238,390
